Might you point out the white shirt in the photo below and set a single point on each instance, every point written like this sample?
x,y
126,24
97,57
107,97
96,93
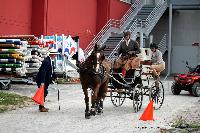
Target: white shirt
x,y
127,42
156,57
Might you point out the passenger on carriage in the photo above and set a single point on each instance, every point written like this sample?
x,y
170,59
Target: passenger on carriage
x,y
158,65
127,53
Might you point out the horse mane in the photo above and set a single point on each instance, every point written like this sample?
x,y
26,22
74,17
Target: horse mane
x,y
88,61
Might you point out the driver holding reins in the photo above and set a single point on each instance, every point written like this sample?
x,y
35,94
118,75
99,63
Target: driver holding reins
x,y
127,53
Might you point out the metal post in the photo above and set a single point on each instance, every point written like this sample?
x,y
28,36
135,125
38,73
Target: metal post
x,y
170,40
63,62
56,47
78,48
141,39
141,35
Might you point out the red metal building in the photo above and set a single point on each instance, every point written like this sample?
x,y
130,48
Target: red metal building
x,y
83,18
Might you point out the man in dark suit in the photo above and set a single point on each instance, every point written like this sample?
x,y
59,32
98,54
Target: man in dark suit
x,y
128,51
46,75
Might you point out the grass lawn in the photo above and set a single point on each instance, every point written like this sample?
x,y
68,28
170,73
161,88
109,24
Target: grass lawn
x,y
10,101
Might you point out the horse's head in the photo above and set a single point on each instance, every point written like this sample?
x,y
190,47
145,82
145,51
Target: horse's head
x,y
97,57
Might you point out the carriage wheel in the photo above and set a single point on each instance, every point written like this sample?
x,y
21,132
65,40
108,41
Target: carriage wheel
x,y
157,94
137,98
117,98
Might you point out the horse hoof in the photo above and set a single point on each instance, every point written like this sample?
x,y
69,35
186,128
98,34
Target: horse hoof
x,y
87,116
93,112
99,112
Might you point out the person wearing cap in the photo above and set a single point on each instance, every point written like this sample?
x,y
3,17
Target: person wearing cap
x,y
158,65
46,75
127,53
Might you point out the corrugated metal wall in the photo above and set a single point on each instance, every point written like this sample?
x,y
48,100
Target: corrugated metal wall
x,y
185,31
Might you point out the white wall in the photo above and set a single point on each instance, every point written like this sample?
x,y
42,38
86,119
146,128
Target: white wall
x,y
181,54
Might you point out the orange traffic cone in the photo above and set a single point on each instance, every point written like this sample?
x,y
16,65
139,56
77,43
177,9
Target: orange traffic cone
x,y
39,96
148,112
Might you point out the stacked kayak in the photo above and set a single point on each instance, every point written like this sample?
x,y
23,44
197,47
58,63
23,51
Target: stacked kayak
x,y
12,52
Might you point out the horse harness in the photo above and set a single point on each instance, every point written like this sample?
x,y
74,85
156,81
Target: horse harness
x,y
92,72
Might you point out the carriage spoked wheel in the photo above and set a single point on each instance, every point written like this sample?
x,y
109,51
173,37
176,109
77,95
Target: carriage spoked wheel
x,y
117,97
156,92
137,98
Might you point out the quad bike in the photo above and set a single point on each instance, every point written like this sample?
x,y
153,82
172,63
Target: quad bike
x,y
189,82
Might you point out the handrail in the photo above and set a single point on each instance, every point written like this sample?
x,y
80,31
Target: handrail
x,y
152,14
134,7
114,24
110,57
133,26
162,46
99,35
155,15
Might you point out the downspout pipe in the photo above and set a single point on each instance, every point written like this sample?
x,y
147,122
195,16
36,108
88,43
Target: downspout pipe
x,y
169,41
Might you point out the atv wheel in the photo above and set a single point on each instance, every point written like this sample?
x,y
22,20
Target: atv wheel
x,y
175,89
196,89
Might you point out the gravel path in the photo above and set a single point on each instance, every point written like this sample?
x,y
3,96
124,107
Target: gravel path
x,y
71,116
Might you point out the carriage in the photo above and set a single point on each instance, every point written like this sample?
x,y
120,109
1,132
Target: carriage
x,y
134,86
96,73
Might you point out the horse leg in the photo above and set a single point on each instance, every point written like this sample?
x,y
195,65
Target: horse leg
x,y
100,102
94,101
87,110
99,106
102,95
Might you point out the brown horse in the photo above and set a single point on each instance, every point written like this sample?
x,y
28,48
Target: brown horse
x,y
94,74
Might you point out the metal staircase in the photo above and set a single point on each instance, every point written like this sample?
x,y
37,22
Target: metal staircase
x,y
144,22
134,26
154,16
139,18
114,26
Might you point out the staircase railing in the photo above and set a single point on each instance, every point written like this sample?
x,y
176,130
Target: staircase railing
x,y
97,38
112,56
112,25
155,16
131,13
162,46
